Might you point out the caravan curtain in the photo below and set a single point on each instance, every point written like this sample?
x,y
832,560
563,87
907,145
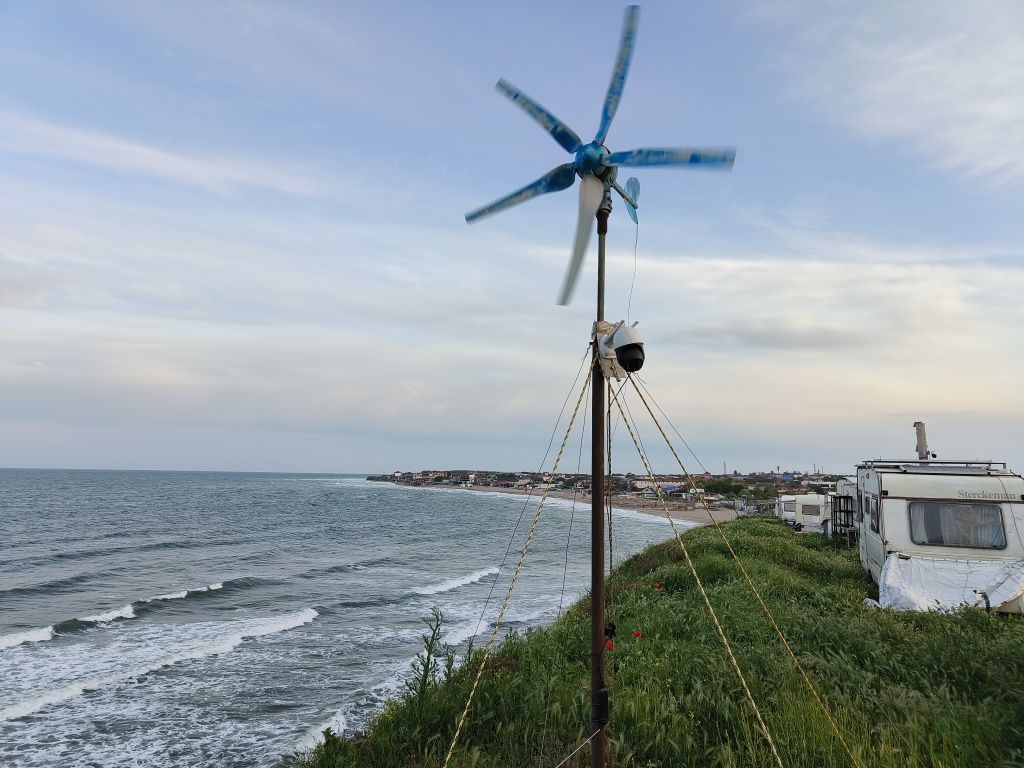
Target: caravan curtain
x,y
957,524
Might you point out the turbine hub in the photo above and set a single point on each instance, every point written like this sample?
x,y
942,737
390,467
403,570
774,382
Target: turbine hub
x,y
589,157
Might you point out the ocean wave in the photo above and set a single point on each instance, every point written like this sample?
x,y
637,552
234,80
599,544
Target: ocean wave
x,y
358,565
85,554
56,585
128,611
124,612
460,633
29,636
43,634
450,584
186,593
212,647
337,722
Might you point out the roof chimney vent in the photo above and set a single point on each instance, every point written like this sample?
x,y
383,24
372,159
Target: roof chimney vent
x,y
922,442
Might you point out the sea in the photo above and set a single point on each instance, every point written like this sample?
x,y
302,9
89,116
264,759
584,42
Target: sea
x,y
226,619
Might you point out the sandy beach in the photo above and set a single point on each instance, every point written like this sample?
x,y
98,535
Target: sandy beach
x,y
678,510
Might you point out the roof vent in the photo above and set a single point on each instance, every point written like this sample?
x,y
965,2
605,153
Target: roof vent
x,y
922,442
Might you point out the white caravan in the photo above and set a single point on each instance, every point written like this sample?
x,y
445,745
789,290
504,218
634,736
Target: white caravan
x,y
808,512
812,511
939,535
785,509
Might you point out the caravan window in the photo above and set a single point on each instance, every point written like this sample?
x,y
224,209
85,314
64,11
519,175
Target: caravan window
x,y
810,509
957,524
789,506
873,512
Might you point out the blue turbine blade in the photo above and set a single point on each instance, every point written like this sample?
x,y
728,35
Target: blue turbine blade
x,y
611,101
709,158
554,180
563,134
633,190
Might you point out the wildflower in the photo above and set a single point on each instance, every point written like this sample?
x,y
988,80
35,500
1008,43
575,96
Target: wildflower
x,y
609,645
637,633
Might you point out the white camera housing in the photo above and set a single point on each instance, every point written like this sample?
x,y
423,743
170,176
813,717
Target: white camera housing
x,y
620,347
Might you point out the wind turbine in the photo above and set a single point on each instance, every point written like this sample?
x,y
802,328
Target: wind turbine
x,y
593,163
596,167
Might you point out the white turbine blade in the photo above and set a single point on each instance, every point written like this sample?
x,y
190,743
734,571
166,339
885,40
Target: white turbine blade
x,y
591,195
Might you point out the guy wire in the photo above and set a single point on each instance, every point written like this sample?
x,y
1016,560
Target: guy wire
x,y
508,548
681,438
757,594
575,492
485,655
707,601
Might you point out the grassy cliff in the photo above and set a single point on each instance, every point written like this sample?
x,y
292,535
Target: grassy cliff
x,y
907,689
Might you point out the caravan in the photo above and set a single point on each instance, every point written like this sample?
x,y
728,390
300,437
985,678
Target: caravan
x,y
785,509
808,512
942,534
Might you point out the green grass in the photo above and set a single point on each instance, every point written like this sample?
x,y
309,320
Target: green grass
x,y
907,689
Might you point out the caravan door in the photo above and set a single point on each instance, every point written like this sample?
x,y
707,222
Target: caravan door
x,y
872,536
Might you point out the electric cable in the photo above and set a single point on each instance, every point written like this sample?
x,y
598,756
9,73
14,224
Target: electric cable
x,y
636,242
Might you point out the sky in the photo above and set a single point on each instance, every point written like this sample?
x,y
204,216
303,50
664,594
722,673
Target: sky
x,y
232,234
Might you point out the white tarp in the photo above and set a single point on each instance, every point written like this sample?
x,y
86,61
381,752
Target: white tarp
x,y
929,583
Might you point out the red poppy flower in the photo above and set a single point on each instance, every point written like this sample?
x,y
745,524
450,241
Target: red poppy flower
x,y
609,645
638,633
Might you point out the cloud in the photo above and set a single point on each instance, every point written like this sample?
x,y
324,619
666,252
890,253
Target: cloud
x,y
942,78
30,136
259,46
227,327
802,333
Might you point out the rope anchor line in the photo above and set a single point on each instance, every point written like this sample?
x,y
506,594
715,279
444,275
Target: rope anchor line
x,y
703,593
746,576
489,647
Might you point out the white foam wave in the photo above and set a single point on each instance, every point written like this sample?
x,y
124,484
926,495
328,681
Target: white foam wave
x,y
29,636
460,633
186,592
208,647
450,584
169,596
336,722
124,612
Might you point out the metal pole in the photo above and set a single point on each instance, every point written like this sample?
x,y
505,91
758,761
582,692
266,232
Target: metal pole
x,y
598,692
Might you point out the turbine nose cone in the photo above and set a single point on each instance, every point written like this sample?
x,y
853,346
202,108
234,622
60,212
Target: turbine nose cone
x,y
589,157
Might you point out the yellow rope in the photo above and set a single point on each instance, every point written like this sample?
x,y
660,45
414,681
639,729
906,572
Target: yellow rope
x,y
515,575
754,589
703,593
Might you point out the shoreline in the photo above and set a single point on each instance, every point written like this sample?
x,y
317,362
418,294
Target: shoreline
x,y
650,507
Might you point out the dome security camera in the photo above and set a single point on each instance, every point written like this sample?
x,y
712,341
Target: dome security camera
x,y
625,345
